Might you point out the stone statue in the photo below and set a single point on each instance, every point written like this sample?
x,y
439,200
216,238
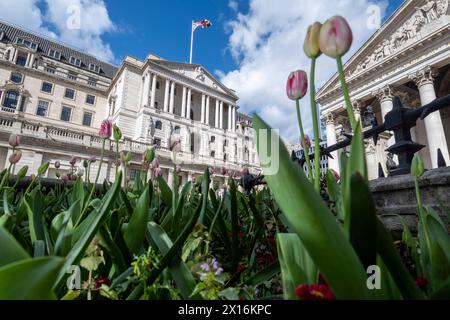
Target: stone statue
x,y
442,7
419,20
151,128
386,48
390,163
429,10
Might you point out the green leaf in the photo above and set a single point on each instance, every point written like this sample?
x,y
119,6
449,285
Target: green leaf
x,y
362,221
297,266
233,212
439,253
30,279
179,271
77,252
264,275
335,194
134,234
11,251
316,227
231,294
64,239
166,192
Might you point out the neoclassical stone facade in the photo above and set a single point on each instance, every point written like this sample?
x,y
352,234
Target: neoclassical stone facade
x,y
409,57
55,98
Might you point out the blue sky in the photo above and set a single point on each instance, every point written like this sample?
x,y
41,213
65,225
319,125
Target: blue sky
x,y
251,47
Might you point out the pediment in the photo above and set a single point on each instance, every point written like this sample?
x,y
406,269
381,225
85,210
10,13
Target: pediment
x,y
197,73
411,24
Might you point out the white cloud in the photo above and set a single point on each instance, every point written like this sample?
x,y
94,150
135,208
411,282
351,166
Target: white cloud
x,y
233,5
79,23
267,44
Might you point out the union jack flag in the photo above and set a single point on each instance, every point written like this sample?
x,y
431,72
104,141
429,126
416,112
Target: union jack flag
x,y
204,24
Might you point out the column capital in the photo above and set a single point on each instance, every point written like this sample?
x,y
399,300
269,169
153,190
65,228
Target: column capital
x,y
424,76
329,119
357,105
384,94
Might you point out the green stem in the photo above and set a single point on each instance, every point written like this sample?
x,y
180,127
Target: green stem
x,y
117,157
315,119
5,177
348,101
302,139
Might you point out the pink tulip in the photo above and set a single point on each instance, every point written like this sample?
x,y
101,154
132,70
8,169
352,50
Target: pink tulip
x,y
73,161
311,45
211,170
336,37
157,172
15,156
307,142
223,171
93,159
155,164
297,85
105,129
14,140
57,164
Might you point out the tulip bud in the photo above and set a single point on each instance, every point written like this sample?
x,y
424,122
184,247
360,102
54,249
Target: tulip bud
x,y
105,129
178,169
336,37
73,161
57,164
223,171
14,140
149,154
64,177
311,45
157,172
128,157
85,164
43,168
93,159
211,170
297,85
57,174
15,156
80,172
22,172
117,133
417,166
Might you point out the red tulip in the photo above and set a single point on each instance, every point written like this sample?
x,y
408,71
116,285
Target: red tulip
x,y
297,85
421,282
306,142
223,171
105,129
336,37
314,292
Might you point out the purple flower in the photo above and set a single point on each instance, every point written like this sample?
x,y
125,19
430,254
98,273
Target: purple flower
x,y
15,156
218,271
14,140
57,164
205,267
73,161
93,159
105,129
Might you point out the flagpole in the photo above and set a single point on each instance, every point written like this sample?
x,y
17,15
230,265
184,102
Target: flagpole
x,y
192,41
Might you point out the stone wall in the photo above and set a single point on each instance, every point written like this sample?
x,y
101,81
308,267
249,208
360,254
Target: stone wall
x,y
395,196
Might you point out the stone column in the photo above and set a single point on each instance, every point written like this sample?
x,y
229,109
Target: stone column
x,y
172,97
233,119
221,115
386,99
202,119
189,103
216,118
145,90
230,107
208,100
166,96
424,79
183,103
331,140
153,94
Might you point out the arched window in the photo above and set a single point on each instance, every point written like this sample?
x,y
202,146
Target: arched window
x,y
176,130
213,154
158,125
11,99
213,139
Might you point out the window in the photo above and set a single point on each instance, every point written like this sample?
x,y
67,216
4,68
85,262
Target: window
x,y
158,125
157,85
213,139
69,94
65,114
156,105
90,99
50,69
47,87
175,91
2,34
92,82
225,143
27,43
22,59
157,142
16,77
87,119
213,154
94,68
42,108
225,157
75,61
176,130
54,54
11,99
72,76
